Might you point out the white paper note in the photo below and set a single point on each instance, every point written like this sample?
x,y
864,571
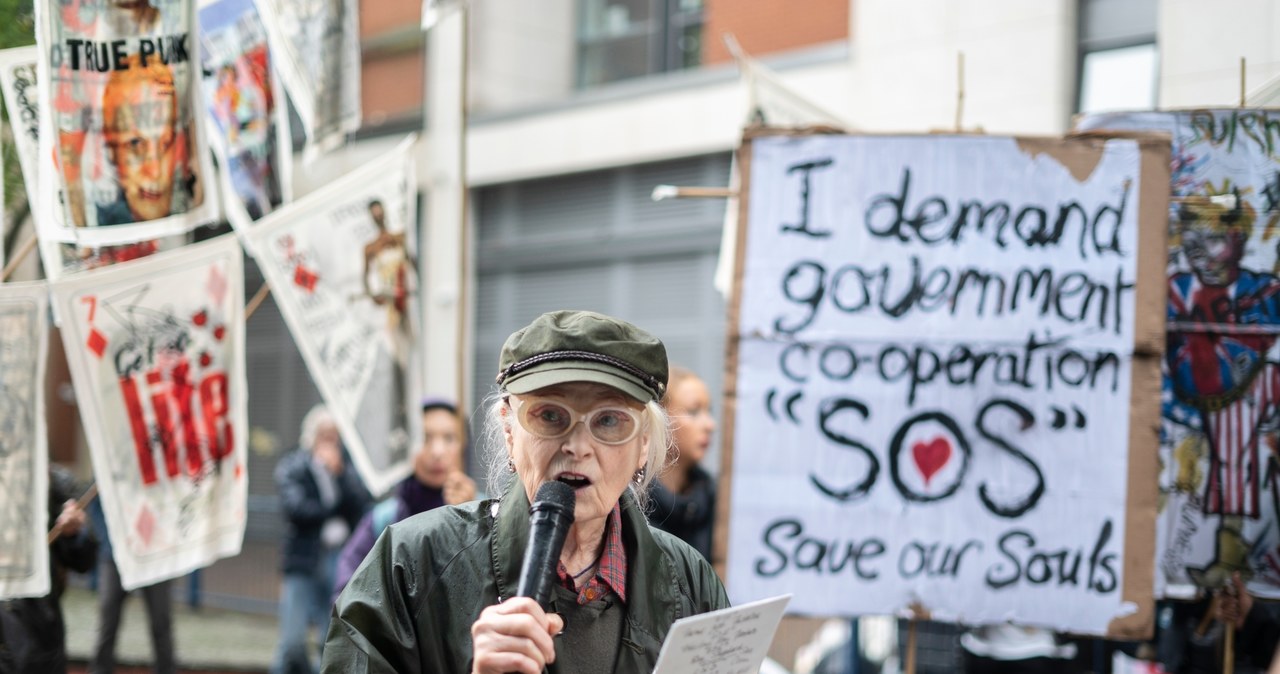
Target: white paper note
x,y
730,641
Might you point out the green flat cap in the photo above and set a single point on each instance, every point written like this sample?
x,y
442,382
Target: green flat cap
x,y
571,346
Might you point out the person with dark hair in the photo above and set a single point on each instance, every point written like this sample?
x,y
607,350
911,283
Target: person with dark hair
x,y
577,404
684,497
437,479
33,637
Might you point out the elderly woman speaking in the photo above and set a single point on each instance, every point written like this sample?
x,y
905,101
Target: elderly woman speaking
x,y
578,404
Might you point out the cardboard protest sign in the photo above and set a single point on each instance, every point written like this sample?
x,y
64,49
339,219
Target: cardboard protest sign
x,y
943,375
249,120
1219,496
156,350
342,265
18,81
125,158
24,456
317,48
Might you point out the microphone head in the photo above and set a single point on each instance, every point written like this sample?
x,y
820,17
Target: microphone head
x,y
555,496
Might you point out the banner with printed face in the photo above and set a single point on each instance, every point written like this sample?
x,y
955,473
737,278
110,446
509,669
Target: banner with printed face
x,y
250,122
126,158
317,47
18,82
24,478
1219,496
944,378
342,266
156,349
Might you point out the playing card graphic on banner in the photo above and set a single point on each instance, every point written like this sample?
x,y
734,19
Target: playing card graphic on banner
x,y
342,267
126,157
156,349
250,130
317,45
1220,497
24,480
18,81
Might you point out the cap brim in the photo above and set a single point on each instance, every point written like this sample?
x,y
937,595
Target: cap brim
x,y
564,372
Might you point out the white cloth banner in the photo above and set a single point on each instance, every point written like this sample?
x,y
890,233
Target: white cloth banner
x,y
342,267
24,455
1221,392
933,380
316,44
249,121
156,349
18,80
126,158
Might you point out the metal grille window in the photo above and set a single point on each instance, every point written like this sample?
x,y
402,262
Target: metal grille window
x,y
622,39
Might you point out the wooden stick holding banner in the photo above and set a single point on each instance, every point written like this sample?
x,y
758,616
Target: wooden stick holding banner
x,y
23,251
257,299
83,502
1229,649
959,91
1243,98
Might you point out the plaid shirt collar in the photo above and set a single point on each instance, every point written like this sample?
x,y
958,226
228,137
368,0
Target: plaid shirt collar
x,y
611,573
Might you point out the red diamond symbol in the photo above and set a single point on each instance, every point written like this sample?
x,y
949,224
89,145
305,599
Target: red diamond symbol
x,y
146,525
97,342
305,278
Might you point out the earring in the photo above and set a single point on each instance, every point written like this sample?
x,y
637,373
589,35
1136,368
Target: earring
x,y
638,477
511,466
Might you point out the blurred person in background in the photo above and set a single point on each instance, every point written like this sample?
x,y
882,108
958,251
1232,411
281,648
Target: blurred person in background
x,y
33,637
684,496
437,479
322,500
158,598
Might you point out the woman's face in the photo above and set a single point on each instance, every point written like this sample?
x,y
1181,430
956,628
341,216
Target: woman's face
x,y
441,451
598,472
689,405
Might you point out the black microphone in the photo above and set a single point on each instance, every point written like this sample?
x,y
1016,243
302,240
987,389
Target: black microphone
x,y
550,517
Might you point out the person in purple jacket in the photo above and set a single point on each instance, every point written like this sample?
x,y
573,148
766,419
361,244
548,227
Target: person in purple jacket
x,y
437,479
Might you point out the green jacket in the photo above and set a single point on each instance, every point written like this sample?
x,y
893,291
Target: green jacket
x,y
410,606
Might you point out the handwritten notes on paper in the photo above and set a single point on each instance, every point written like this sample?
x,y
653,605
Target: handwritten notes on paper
x,y
729,641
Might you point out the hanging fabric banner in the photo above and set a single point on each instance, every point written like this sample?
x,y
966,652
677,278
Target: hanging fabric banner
x,y
24,478
156,350
1221,391
19,84
317,47
250,121
126,157
342,266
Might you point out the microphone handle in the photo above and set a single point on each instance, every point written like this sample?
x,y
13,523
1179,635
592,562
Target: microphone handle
x,y
547,532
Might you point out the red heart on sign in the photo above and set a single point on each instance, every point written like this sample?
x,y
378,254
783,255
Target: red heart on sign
x,y
931,457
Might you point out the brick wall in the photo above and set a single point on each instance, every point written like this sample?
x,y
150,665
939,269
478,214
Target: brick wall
x,y
766,26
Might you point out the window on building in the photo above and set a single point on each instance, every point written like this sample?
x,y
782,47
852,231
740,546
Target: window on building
x,y
623,39
1119,61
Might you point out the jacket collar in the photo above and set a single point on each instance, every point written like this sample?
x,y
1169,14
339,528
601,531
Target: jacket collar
x,y
653,598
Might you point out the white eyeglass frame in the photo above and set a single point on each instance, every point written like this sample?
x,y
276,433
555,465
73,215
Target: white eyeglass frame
x,y
576,417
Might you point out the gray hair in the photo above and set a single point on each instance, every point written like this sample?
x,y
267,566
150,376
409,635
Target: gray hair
x,y
492,443
316,417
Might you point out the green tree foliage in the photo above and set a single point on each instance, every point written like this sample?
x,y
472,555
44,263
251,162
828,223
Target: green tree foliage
x,y
17,29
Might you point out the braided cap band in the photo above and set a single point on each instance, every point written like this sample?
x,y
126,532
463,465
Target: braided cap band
x,y
583,346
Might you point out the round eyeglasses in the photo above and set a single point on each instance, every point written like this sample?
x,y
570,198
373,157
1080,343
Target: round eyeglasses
x,y
551,419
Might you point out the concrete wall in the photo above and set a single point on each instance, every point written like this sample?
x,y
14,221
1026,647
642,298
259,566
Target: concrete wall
x,y
1201,44
1019,64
